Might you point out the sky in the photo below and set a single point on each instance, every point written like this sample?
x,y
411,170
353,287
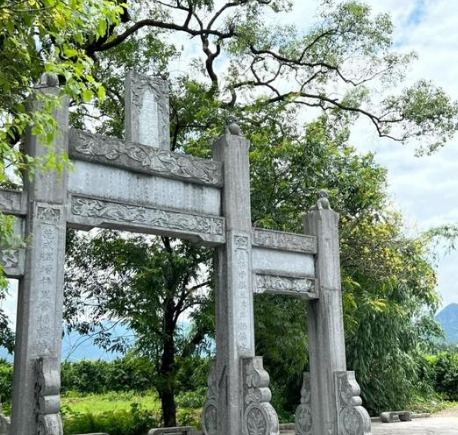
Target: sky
x,y
425,189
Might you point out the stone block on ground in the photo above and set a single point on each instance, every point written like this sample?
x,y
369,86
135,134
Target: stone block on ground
x,y
389,417
185,430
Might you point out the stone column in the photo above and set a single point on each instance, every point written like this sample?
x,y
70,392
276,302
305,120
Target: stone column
x,y
327,359
234,299
39,319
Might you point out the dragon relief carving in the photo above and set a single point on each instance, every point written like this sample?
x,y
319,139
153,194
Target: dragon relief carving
x,y
303,416
284,284
353,419
259,417
284,241
92,208
47,388
134,156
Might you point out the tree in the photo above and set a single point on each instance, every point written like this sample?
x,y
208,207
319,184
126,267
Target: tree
x,y
269,76
36,37
347,48
146,284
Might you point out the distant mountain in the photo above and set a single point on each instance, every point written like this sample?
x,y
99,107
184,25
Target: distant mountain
x,y
448,318
76,347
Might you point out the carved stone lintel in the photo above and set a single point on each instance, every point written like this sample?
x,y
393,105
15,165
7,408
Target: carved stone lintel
x,y
286,285
353,419
282,241
303,416
259,417
12,202
102,213
47,388
210,410
142,158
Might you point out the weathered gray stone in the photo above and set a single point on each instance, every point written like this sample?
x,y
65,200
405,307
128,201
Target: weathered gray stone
x,y
147,111
285,242
259,417
139,185
388,417
13,202
284,285
5,424
108,183
47,390
145,159
185,430
326,336
13,258
39,319
303,416
86,213
352,417
234,297
283,263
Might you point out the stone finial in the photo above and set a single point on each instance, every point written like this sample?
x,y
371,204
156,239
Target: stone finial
x,y
232,127
48,80
322,202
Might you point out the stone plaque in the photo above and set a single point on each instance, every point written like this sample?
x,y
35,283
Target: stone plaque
x,y
147,111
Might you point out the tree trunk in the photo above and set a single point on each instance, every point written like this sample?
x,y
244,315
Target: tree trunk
x,y
167,370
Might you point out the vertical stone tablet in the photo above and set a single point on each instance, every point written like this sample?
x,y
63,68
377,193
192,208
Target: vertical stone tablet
x,y
40,300
147,111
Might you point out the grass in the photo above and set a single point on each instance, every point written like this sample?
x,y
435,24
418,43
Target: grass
x,y
73,402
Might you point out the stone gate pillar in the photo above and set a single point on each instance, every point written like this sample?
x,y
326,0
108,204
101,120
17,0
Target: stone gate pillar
x,y
39,321
234,298
334,394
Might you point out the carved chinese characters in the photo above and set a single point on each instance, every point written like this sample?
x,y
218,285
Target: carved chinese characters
x,y
243,294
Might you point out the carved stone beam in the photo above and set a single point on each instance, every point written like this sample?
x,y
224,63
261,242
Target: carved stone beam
x,y
13,202
282,241
283,263
13,258
86,213
136,157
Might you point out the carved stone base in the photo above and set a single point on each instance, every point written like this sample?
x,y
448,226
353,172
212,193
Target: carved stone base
x,y
303,416
47,390
353,419
259,417
210,410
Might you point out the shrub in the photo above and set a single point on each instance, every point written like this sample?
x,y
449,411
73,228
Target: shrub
x,y
445,366
136,421
6,381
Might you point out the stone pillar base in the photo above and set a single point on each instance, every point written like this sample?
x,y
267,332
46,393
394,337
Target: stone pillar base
x,y
303,416
259,417
353,419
